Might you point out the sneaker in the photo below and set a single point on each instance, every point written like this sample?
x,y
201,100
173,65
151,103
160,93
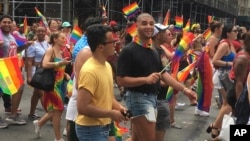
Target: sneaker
x,y
179,106
64,132
60,139
3,124
37,128
15,120
34,116
200,113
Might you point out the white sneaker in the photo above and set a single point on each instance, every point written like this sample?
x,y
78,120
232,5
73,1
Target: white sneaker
x,y
15,120
64,132
200,113
179,106
37,128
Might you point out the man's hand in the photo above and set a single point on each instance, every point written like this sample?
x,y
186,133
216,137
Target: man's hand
x,y
153,78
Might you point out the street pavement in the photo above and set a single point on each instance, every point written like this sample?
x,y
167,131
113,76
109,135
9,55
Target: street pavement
x,y
193,127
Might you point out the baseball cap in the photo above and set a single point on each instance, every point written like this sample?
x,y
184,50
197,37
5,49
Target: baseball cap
x,y
66,24
159,27
113,23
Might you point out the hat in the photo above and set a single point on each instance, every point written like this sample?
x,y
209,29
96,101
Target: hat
x,y
113,23
21,25
159,27
66,24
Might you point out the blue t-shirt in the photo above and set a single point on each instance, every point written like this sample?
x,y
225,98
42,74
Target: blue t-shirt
x,y
80,44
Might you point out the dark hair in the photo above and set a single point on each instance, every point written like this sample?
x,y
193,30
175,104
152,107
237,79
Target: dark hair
x,y
179,36
6,16
214,24
54,36
226,29
96,35
90,21
246,41
50,21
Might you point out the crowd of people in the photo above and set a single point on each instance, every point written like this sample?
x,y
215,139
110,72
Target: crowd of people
x,y
105,57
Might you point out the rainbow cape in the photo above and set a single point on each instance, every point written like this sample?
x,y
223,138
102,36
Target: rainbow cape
x,y
132,30
76,34
44,21
205,83
19,40
167,17
10,75
131,10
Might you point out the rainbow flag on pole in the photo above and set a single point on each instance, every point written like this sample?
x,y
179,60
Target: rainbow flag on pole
x,y
25,25
131,10
207,33
132,30
187,27
10,75
44,21
76,34
178,22
167,17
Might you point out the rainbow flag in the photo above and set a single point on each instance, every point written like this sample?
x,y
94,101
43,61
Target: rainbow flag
x,y
131,10
167,17
44,21
178,22
187,27
10,75
25,25
183,74
76,34
132,30
182,47
210,18
207,33
191,56
170,93
19,40
119,131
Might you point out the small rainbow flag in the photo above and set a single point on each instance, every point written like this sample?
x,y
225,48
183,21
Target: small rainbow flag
x,y
132,30
119,131
131,10
45,23
210,18
207,33
187,27
19,40
183,74
76,34
10,75
25,25
178,22
167,17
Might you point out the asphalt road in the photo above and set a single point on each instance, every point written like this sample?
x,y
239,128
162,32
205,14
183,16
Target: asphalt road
x,y
193,127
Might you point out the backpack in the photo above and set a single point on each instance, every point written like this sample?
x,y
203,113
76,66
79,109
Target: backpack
x,y
242,107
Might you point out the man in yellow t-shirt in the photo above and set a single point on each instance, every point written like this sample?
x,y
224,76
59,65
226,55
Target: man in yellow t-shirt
x,y
96,104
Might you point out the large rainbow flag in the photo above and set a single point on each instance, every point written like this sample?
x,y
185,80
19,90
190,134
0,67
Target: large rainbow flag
x,y
76,34
10,75
131,10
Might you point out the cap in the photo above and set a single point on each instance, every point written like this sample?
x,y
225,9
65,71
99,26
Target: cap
x,y
159,27
113,23
66,24
21,25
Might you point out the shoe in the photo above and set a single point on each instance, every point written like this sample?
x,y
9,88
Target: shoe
x,y
174,125
64,132
34,116
37,128
179,106
3,124
200,113
15,120
210,128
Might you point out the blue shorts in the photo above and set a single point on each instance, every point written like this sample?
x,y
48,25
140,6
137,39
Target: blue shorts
x,y
163,119
92,133
142,104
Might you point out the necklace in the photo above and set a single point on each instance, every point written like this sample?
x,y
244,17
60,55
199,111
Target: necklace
x,y
141,43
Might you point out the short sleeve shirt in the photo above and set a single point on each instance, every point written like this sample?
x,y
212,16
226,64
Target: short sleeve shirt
x,y
9,48
37,50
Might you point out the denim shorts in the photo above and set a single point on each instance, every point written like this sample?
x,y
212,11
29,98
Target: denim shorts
x,y
163,119
142,104
92,133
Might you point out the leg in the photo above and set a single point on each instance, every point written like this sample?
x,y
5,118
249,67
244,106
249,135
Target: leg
x,y
37,94
15,101
7,101
57,123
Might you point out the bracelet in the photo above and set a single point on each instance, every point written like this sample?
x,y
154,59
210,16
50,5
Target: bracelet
x,y
184,89
56,64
